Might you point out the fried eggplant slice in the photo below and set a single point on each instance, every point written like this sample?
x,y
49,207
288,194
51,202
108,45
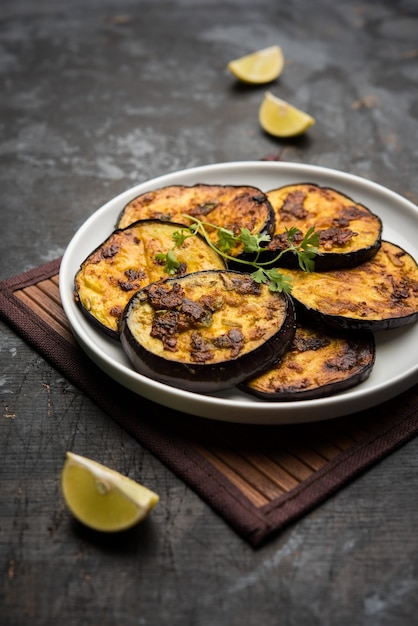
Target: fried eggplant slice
x,y
206,331
319,363
126,262
349,233
227,206
378,295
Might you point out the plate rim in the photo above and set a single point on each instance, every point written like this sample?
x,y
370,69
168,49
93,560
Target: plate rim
x,y
251,411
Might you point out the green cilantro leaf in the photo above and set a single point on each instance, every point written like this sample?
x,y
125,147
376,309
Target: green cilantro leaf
x,y
171,262
252,243
226,239
179,237
279,281
305,249
260,276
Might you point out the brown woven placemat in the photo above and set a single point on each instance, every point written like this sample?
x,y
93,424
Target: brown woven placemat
x,y
258,478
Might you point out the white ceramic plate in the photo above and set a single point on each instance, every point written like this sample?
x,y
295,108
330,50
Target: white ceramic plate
x,y
396,367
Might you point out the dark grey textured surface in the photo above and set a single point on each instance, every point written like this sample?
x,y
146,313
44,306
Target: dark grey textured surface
x,y
97,96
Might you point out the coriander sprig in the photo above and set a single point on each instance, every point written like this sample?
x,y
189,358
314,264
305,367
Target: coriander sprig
x,y
171,263
306,249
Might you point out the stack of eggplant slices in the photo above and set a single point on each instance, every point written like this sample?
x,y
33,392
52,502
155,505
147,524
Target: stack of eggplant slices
x,y
209,287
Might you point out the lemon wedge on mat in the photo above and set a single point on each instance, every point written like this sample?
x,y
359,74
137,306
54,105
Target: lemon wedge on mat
x,y
281,119
102,498
258,67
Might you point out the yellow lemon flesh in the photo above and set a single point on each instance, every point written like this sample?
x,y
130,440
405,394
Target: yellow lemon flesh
x,y
258,67
101,498
281,119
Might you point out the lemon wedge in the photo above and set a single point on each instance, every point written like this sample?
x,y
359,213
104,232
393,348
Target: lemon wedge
x,y
281,119
102,498
258,67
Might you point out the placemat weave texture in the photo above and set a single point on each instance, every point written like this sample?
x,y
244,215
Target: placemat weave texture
x,y
258,478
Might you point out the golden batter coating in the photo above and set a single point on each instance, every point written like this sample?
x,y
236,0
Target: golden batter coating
x,y
207,330
319,363
349,233
226,206
379,294
126,262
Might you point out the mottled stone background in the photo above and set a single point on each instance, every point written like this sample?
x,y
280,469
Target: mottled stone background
x,y
98,96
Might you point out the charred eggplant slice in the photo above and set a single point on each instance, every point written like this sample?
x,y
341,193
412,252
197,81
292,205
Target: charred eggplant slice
x,y
126,262
378,295
349,233
226,206
319,363
206,331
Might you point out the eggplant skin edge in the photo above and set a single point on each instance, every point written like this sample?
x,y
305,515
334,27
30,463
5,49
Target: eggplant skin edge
x,y
392,271
209,378
236,207
324,390
79,292
102,328
329,261
325,260
340,322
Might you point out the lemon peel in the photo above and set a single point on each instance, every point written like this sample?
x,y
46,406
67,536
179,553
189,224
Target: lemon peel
x,y
102,498
262,66
281,119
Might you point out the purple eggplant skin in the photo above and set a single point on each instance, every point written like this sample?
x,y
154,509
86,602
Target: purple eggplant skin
x,y
111,277
102,328
339,322
349,233
225,206
312,394
362,347
324,262
379,295
205,377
